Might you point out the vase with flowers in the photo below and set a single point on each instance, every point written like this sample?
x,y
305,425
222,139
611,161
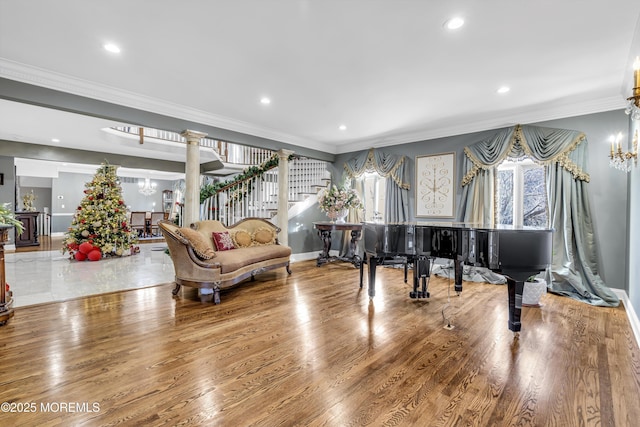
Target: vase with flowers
x,y
336,202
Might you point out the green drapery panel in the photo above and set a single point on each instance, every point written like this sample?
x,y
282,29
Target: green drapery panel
x,y
564,153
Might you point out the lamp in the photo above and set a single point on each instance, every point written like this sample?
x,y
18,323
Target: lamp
x,y
619,159
146,187
633,108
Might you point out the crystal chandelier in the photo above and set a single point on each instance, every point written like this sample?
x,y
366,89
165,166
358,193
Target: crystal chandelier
x,y
633,108
619,159
146,187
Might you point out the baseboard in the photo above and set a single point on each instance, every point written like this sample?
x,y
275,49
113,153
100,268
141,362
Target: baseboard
x,y
631,313
308,255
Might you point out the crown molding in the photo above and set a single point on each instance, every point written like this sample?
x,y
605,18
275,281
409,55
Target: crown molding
x,y
524,117
51,80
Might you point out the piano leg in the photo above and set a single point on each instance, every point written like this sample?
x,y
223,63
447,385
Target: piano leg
x,y
406,268
458,265
420,274
373,261
515,289
362,263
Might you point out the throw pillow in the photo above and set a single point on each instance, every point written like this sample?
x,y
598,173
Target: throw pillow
x,y
242,239
264,236
197,242
222,240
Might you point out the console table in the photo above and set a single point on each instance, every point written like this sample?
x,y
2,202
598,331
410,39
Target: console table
x,y
29,237
324,232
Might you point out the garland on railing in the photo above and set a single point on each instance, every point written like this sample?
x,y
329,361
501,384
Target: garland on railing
x,y
251,172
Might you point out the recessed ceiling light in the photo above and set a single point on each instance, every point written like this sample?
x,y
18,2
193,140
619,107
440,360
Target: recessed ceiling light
x,y
55,140
342,127
454,23
265,101
112,48
503,89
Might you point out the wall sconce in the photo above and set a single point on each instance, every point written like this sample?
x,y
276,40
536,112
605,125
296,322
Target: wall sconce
x,y
633,108
619,159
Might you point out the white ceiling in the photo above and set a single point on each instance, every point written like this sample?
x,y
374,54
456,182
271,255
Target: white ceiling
x,y
388,70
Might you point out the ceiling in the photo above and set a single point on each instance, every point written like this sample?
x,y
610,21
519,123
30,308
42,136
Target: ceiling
x,y
387,70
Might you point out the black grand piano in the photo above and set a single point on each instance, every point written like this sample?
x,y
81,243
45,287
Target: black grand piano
x,y
515,252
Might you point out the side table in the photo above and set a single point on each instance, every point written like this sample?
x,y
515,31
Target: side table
x,y
324,232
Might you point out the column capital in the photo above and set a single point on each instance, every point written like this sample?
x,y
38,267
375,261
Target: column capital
x,y
192,135
282,153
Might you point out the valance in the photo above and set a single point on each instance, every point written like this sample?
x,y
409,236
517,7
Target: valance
x,y
543,145
386,165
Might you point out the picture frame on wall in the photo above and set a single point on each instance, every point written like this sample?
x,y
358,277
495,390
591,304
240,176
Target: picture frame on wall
x,y
435,185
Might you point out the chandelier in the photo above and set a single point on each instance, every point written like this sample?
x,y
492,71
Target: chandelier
x,y
619,159
633,108
146,187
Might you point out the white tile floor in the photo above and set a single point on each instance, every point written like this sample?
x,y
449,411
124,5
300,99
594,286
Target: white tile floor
x,y
38,277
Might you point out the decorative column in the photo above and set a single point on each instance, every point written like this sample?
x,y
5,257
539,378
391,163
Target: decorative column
x,y
191,211
283,195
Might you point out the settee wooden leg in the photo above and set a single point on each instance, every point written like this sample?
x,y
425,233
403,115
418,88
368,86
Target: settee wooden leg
x,y
288,268
176,289
216,294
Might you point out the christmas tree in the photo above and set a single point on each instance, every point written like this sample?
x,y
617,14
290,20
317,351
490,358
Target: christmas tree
x,y
100,226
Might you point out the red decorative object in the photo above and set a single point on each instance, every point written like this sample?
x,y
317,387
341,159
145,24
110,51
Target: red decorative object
x,y
222,240
85,248
79,256
95,255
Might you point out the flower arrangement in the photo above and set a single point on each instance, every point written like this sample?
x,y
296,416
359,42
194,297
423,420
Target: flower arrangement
x,y
334,200
28,200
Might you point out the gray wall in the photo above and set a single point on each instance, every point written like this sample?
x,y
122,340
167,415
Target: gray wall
x,y
608,187
303,238
43,197
633,241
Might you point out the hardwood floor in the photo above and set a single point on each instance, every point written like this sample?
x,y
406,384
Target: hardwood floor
x,y
311,349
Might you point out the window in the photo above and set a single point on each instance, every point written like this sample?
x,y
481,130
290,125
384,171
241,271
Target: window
x,y
521,194
374,197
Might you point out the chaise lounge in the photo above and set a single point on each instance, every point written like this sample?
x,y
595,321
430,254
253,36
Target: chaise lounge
x,y
209,255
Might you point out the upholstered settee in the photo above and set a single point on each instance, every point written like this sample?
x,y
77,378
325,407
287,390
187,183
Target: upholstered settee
x,y
209,255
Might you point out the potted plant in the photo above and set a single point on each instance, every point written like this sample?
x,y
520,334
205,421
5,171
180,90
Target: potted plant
x,y
8,219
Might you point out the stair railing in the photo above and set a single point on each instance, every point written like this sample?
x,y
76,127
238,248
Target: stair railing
x,y
257,195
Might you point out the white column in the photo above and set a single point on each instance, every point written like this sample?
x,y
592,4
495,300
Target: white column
x,y
283,195
191,211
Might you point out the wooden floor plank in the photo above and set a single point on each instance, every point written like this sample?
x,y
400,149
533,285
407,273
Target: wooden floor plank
x,y
312,349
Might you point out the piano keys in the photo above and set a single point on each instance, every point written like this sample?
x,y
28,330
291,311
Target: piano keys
x,y
516,252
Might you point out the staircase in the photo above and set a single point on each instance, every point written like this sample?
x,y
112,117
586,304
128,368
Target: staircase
x,y
258,196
